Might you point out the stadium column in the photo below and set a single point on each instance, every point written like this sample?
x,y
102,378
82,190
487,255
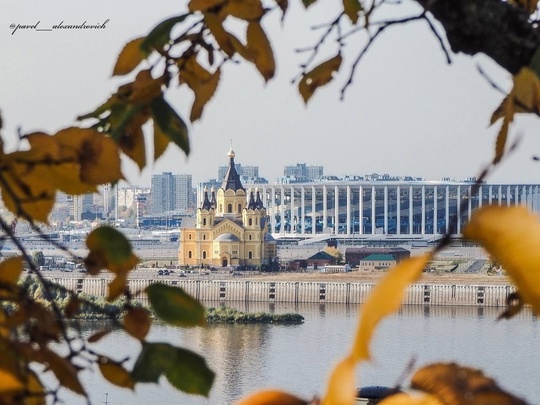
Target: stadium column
x,y
480,196
469,205
447,209
411,210
302,210
273,211
423,224
398,210
361,210
292,215
325,207
336,210
373,213
282,211
490,194
458,198
348,210
385,202
435,208
313,208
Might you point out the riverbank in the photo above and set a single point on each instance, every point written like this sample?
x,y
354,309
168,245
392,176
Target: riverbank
x,y
374,277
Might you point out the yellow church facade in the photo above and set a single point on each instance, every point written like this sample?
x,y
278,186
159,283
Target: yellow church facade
x,y
230,229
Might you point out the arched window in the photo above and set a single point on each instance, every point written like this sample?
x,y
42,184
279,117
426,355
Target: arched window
x,y
249,237
204,221
229,208
250,222
189,254
250,255
239,208
189,236
204,254
204,237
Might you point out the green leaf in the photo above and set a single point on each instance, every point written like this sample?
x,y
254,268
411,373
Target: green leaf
x,y
174,306
184,369
170,123
161,34
308,3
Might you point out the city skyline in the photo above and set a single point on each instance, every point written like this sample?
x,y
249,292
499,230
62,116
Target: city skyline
x,y
423,119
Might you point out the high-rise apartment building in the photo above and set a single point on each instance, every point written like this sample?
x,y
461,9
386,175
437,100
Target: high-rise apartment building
x,y
243,171
171,192
303,171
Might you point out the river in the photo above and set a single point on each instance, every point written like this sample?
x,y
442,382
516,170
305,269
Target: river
x,y
299,358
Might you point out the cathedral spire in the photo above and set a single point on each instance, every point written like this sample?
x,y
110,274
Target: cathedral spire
x,y
232,179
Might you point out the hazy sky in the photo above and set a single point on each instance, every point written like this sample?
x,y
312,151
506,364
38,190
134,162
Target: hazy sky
x,y
407,113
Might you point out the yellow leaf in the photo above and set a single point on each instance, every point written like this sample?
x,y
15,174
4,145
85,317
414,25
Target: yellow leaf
x,y
384,300
203,5
10,271
511,235
342,385
130,57
145,88
351,9
96,337
406,399
72,307
65,372
117,286
115,373
9,382
318,77
453,384
528,5
97,154
500,143
245,9
261,50
271,397
131,140
203,94
214,24
137,322
161,141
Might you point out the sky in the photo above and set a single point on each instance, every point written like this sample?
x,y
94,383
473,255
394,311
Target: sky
x,y
407,113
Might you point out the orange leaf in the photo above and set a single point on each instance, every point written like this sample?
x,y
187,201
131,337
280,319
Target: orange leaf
x,y
130,57
260,48
318,77
406,399
245,9
161,141
115,373
342,386
203,94
137,322
9,382
384,300
10,271
511,235
271,397
221,36
65,372
203,5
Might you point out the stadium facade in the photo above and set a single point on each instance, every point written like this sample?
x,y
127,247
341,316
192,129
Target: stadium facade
x,y
383,209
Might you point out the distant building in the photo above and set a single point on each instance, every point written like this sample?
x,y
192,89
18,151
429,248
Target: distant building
x,y
353,256
377,262
303,172
243,171
231,227
171,192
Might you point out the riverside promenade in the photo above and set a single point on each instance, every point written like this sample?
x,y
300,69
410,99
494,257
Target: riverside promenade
x,y
347,288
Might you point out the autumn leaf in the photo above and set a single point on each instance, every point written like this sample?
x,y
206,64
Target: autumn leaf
x,y
406,399
131,140
204,5
130,57
342,385
170,123
203,94
160,35
248,10
184,369
529,6
308,3
137,322
9,382
96,337
261,50
271,397
174,306
318,77
161,141
109,249
511,235
453,384
214,24
384,300
352,8
115,373
10,271
64,371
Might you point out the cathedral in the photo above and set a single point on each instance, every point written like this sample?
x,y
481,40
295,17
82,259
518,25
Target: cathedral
x,y
231,227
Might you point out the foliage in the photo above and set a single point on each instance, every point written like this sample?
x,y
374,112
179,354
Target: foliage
x,y
334,251
231,315
190,49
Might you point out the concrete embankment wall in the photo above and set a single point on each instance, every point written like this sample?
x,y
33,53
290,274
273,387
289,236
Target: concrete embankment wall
x,y
306,292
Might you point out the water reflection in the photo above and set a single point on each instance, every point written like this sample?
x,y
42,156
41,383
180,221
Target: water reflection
x,y
298,358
